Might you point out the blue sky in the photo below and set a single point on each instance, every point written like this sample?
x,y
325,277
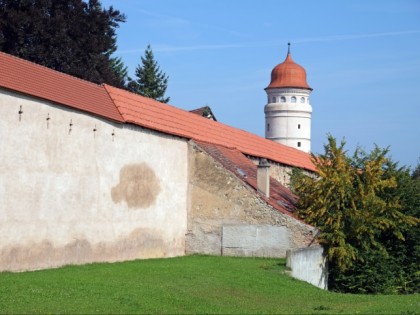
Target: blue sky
x,y
362,59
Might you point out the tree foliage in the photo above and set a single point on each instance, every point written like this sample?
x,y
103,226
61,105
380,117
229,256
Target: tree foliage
x,y
151,81
398,271
70,36
358,205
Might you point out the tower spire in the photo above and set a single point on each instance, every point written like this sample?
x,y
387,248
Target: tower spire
x,y
288,48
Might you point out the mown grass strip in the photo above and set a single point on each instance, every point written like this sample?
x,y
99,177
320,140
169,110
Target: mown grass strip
x,y
184,285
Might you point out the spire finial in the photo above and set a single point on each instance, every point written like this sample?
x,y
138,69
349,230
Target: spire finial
x,y
288,48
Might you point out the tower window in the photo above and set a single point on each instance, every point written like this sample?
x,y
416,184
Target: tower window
x,y
283,99
298,144
302,100
273,99
298,126
293,99
268,127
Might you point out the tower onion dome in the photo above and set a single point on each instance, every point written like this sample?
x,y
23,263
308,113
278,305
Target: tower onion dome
x,y
288,74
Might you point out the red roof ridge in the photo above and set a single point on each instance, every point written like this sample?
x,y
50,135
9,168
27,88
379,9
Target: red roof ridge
x,y
34,64
29,78
151,100
211,143
124,106
169,119
148,100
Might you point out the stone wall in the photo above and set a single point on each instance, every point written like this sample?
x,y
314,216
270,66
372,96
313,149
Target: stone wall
x,y
219,199
76,189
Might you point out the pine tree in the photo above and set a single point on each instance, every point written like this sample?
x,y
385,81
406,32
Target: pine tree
x,y
151,81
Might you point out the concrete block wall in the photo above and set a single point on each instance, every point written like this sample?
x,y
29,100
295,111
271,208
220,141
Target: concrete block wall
x,y
255,240
309,264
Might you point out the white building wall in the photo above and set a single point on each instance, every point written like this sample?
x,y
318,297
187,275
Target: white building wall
x,y
289,122
86,192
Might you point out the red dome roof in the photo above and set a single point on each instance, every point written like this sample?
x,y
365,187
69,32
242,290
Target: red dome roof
x,y
288,74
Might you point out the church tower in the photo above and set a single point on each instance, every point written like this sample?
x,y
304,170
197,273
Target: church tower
x,y
288,111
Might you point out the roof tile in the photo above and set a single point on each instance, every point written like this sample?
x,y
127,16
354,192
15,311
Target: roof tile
x,y
281,198
26,77
122,106
149,113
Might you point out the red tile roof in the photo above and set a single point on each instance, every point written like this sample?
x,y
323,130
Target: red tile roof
x,y
149,113
119,105
29,78
281,198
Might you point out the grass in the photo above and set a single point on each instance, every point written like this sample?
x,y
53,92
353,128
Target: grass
x,y
193,284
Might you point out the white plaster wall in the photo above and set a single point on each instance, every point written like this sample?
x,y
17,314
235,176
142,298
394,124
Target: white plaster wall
x,y
286,122
83,196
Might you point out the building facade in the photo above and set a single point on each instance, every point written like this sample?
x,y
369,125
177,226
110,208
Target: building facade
x,y
92,173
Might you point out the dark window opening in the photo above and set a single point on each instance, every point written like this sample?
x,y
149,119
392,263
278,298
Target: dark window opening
x,y
299,144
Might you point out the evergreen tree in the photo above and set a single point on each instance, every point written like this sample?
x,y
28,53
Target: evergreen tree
x,y
416,172
70,36
121,70
151,81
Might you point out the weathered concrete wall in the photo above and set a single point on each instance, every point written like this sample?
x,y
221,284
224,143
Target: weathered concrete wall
x,y
218,198
310,265
255,240
77,189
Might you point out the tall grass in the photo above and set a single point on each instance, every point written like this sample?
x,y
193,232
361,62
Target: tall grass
x,y
186,285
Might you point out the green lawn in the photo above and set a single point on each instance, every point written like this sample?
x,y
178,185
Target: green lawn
x,y
194,284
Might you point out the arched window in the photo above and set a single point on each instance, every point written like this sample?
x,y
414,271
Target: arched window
x,y
302,100
283,99
273,99
293,99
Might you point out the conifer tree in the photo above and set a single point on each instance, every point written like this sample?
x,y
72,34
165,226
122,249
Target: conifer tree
x,y
151,81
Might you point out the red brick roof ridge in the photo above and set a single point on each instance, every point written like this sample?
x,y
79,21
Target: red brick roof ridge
x,y
174,109
34,64
123,106
173,120
29,78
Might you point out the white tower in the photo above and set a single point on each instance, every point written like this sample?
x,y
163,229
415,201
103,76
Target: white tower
x,y
288,111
